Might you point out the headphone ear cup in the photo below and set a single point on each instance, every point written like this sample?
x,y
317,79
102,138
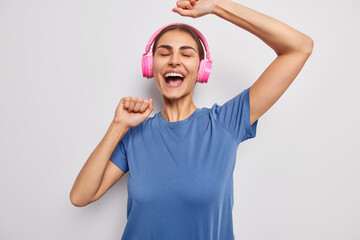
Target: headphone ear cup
x,y
204,71
147,66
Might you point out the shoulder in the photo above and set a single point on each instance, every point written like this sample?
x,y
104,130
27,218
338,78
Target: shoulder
x,y
232,104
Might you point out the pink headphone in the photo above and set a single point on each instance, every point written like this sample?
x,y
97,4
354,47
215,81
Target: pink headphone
x,y
204,67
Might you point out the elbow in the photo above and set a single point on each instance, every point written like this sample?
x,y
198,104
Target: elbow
x,y
303,47
308,45
77,202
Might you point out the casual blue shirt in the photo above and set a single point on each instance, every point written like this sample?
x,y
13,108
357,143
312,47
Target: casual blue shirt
x,y
180,184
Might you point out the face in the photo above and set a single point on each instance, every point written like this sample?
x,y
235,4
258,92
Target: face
x,y
176,62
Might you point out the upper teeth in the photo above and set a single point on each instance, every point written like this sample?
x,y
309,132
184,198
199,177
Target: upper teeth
x,y
174,75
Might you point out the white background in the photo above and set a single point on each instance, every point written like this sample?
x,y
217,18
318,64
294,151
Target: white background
x,y
64,65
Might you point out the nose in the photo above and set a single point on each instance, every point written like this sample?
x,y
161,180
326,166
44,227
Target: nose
x,y
174,60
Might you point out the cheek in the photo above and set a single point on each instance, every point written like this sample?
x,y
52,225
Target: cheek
x,y
155,63
157,67
158,64
194,67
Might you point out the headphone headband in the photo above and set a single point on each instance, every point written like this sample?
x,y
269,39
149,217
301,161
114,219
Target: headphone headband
x,y
147,48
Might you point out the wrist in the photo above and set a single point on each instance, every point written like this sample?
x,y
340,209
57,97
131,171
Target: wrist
x,y
220,7
118,126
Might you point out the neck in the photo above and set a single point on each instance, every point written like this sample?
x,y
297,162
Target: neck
x,y
177,109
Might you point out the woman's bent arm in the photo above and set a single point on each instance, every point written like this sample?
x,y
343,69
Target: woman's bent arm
x,y
89,180
98,173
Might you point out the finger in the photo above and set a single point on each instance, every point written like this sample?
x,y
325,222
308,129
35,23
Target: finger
x,y
184,4
144,106
182,12
127,102
138,104
122,101
192,2
132,104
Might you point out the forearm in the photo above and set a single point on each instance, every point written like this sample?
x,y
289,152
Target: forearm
x,y
279,36
89,179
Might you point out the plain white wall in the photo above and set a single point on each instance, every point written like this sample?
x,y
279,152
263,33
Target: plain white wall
x,y
64,65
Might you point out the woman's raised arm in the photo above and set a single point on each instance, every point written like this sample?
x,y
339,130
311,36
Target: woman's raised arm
x,y
292,47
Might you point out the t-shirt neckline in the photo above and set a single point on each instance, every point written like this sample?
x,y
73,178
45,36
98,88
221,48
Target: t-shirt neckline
x,y
177,123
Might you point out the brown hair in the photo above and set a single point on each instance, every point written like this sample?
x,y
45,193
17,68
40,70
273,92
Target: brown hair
x,y
185,28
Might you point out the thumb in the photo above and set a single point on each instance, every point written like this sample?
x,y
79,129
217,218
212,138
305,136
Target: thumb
x,y
151,105
182,12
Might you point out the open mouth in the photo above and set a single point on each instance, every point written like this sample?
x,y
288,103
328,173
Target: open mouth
x,y
173,79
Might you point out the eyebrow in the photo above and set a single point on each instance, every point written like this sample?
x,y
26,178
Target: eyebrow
x,y
181,48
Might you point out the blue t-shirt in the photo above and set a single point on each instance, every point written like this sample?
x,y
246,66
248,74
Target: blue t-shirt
x,y
180,183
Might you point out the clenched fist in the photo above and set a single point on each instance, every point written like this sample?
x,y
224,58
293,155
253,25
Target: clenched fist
x,y
132,111
196,8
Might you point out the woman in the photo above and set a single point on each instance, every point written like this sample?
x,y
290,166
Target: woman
x,y
181,160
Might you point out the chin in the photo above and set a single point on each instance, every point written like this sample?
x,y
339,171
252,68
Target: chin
x,y
172,96
175,94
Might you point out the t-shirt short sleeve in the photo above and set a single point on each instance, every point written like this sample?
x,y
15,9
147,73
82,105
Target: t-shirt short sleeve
x,y
234,115
119,156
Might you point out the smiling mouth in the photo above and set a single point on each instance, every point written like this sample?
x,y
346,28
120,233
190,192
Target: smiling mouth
x,y
173,80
